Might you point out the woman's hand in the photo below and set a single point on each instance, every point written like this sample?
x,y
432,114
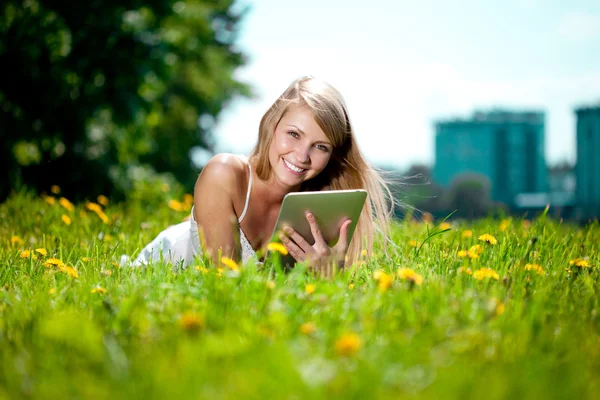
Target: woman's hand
x,y
319,256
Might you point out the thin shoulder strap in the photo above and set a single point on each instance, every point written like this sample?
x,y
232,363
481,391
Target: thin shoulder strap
x,y
247,195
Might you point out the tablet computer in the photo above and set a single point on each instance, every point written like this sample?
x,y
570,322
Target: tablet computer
x,y
331,209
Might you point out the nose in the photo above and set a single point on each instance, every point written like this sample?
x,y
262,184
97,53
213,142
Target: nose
x,y
302,154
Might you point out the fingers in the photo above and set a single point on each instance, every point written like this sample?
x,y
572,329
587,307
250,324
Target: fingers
x,y
342,244
300,241
315,230
292,248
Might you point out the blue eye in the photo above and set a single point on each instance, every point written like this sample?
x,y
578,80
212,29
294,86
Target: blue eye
x,y
322,148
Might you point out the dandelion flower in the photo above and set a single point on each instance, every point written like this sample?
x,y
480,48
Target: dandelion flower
x,y
579,262
53,262
384,281
475,251
351,286
462,253
102,216
72,272
41,251
191,321
219,272
271,285
463,270
98,289
504,224
66,204
55,189
228,262
52,291
407,274
348,344
445,225
467,234
278,247
85,259
486,237
307,328
16,240
102,200
203,270
28,254
188,199
534,267
483,273
106,272
66,219
93,207
413,243
175,205
310,288
363,253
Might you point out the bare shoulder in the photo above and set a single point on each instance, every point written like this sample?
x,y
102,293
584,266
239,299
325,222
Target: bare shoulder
x,y
225,171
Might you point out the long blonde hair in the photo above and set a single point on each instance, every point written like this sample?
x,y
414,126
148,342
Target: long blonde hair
x,y
347,168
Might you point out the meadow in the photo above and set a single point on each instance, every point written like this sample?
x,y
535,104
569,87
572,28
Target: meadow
x,y
494,309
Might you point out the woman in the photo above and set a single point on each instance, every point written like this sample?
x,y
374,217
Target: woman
x,y
305,142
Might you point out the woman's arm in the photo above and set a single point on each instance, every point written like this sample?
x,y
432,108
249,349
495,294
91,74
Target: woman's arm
x,y
214,211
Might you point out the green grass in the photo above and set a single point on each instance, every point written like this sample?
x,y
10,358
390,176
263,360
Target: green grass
x,y
160,333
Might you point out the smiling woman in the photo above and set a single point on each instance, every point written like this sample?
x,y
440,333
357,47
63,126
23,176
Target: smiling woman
x,y
305,142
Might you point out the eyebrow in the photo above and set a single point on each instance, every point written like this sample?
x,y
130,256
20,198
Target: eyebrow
x,y
302,132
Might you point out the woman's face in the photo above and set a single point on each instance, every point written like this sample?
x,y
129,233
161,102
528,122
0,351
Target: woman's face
x,y
300,149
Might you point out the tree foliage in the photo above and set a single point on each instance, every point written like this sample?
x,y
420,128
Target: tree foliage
x,y
93,93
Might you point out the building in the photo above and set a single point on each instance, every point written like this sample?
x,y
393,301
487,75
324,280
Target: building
x,y
507,147
587,170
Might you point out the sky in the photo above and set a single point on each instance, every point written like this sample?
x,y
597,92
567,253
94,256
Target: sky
x,y
402,65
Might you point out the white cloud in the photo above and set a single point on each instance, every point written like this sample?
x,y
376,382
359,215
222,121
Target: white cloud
x,y
580,26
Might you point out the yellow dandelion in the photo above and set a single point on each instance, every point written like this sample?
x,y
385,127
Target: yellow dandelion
x,y
413,243
445,225
307,328
188,199
98,289
102,216
191,321
407,274
41,251
475,251
49,199
278,247
384,281
202,270
66,219
72,272
500,308
52,291
106,272
53,262
462,253
228,262
175,205
219,272
55,189
483,273
351,286
28,254
102,200
486,237
15,240
504,224
310,288
270,284
579,262
66,204
463,270
85,259
93,207
467,233
348,344
535,268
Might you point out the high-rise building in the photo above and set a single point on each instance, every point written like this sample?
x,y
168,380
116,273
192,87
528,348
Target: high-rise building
x,y
507,147
587,170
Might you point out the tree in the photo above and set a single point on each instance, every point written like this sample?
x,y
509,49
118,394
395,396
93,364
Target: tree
x,y
93,91
470,195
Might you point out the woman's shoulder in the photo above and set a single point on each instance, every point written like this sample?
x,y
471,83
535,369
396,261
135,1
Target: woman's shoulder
x,y
226,169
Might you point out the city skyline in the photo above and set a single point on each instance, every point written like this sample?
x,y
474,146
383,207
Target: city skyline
x,y
409,66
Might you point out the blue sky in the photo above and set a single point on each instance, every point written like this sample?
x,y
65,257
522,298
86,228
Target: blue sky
x,y
402,65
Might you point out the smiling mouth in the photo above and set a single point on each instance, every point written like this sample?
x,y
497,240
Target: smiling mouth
x,y
293,168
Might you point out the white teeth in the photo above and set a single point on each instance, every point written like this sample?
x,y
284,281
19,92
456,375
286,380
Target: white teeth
x,y
293,167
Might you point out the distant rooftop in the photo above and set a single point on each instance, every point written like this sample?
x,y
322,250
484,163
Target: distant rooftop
x,y
500,115
588,109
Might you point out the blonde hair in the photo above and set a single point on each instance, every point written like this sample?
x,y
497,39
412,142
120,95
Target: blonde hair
x,y
347,168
